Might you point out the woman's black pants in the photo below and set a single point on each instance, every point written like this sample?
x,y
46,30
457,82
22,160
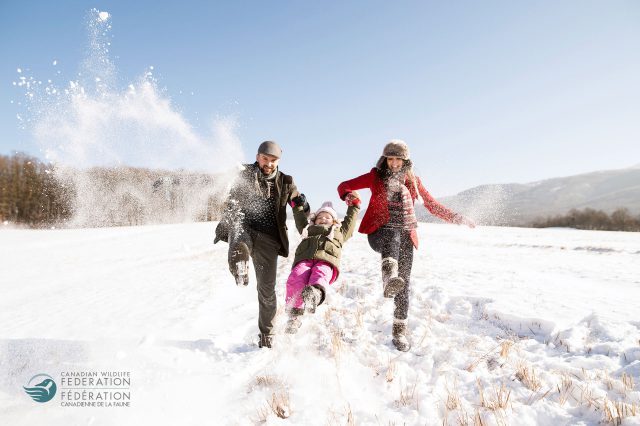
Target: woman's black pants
x,y
396,243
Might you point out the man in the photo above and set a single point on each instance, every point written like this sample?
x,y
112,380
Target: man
x,y
254,224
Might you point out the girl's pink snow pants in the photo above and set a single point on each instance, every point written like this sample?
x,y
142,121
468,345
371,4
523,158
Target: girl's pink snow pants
x,y
308,272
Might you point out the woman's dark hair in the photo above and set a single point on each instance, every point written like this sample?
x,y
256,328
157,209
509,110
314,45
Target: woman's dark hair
x,y
384,171
407,166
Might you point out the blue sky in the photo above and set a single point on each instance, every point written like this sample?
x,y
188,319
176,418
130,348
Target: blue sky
x,y
483,92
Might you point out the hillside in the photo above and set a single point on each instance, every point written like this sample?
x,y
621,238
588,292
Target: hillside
x,y
521,203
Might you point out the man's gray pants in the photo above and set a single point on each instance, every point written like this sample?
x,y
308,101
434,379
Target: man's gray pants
x,y
264,253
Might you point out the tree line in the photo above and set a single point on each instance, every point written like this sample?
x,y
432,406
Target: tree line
x,y
30,193
38,194
620,220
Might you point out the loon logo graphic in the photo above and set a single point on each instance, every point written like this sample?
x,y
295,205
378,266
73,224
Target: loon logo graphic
x,y
43,391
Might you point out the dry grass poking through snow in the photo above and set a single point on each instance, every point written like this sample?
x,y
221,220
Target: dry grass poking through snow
x,y
584,390
391,371
496,400
452,402
409,397
278,403
267,381
565,387
338,420
527,376
505,348
504,370
463,419
484,357
616,411
627,381
336,344
337,334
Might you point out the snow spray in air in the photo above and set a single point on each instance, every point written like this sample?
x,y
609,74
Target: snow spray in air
x,y
485,204
117,146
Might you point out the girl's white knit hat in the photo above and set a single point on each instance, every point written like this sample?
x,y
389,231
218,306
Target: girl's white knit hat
x,y
327,207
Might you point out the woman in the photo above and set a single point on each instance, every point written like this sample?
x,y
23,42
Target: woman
x,y
390,223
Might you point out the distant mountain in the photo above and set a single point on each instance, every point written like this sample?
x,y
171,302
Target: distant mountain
x,y
521,203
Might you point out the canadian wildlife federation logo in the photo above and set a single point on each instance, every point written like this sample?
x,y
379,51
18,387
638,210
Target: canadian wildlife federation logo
x,y
41,388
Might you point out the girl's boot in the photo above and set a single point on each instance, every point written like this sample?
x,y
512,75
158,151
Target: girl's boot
x,y
312,296
294,322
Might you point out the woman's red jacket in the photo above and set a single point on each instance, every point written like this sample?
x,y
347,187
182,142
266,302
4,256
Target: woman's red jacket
x,y
377,213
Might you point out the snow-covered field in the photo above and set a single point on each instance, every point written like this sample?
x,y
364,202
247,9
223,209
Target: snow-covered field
x,y
509,326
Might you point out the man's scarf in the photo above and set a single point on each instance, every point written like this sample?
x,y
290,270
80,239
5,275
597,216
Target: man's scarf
x,y
265,185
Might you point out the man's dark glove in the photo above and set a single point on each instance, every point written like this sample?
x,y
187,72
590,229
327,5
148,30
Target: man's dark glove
x,y
301,200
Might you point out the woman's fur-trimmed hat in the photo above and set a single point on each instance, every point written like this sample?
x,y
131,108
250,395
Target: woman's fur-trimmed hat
x,y
395,148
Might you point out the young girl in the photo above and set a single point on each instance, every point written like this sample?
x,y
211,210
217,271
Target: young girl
x,y
391,223
317,259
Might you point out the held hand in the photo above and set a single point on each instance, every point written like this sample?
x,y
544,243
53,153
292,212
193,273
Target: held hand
x,y
352,199
461,220
470,223
301,200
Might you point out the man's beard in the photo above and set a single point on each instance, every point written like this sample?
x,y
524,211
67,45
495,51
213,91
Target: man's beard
x,y
267,171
